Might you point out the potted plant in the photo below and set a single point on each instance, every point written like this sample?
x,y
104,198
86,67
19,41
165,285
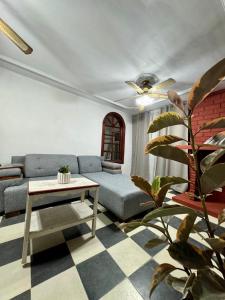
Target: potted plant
x,y
200,281
64,174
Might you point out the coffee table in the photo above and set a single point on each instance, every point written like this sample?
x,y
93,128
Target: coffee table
x,y
48,220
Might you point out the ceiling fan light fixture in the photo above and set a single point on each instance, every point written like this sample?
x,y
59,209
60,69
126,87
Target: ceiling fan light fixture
x,y
144,101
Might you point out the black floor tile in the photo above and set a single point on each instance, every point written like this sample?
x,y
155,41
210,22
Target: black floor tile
x,y
175,222
111,216
24,296
76,231
142,237
99,275
12,220
141,279
10,251
49,263
110,235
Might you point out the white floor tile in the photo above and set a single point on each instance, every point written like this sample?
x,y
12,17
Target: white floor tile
x,y
11,232
14,280
128,255
124,290
84,247
66,285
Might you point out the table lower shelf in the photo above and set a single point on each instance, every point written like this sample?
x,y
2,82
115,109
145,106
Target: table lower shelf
x,y
52,219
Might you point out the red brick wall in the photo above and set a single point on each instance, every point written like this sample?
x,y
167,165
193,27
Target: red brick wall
x,y
212,107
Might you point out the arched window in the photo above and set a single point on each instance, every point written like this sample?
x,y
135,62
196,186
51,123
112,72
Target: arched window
x,y
113,138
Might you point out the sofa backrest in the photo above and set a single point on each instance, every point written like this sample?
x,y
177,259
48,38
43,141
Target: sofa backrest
x,y
89,164
48,164
18,159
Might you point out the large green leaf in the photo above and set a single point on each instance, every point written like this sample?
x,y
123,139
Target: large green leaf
x,y
208,286
190,256
170,152
162,140
165,120
216,244
176,283
160,274
131,225
213,178
155,185
175,99
154,242
128,227
165,184
167,211
172,180
221,217
143,184
211,159
216,123
185,227
203,86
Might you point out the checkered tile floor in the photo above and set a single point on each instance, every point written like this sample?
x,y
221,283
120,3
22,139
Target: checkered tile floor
x,y
72,265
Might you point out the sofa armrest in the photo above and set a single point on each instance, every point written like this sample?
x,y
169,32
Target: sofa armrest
x,y
111,165
5,184
9,173
111,171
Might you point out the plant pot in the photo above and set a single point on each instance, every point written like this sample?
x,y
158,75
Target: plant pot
x,y
63,177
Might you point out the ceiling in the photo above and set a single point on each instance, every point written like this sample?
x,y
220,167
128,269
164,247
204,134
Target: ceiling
x,y
92,47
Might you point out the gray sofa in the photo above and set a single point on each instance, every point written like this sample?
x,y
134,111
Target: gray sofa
x,y
117,192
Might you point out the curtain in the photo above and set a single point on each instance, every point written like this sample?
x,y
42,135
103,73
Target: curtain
x,y
140,161
149,166
166,167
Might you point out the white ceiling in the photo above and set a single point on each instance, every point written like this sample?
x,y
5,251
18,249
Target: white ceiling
x,y
94,46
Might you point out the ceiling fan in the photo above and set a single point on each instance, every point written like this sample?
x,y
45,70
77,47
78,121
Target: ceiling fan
x,y
147,85
14,37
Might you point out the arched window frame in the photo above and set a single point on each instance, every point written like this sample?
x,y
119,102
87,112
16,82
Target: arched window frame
x,y
114,116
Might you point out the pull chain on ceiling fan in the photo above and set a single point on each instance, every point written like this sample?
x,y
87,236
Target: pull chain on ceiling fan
x,y
14,37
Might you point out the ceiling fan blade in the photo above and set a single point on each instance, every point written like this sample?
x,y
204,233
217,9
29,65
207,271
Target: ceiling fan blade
x,y
15,38
164,84
135,86
157,95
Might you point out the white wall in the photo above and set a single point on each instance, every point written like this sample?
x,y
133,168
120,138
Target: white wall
x,y
38,118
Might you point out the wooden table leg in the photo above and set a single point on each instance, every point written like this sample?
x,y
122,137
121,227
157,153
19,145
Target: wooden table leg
x,y
26,230
95,211
82,196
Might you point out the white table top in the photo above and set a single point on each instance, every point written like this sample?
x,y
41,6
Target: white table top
x,y
50,186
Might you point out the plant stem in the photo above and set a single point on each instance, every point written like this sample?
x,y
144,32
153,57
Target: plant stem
x,y
203,197
167,231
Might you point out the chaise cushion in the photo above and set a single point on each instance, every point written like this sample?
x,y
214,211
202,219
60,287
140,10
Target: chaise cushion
x,y
119,194
89,164
37,165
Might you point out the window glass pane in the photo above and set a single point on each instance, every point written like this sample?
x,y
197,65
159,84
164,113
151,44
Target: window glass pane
x,y
108,147
107,156
108,139
108,130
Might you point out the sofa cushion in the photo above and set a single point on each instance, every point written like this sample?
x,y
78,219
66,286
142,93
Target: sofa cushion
x,y
15,196
89,164
111,165
37,165
112,171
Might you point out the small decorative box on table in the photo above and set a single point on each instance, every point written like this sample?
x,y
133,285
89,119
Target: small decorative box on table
x,y
48,220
